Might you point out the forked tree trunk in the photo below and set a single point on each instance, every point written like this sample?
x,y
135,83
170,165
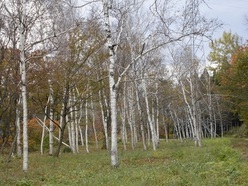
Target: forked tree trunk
x,y
63,118
150,122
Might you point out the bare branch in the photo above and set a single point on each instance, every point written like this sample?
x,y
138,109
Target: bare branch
x,y
80,6
49,37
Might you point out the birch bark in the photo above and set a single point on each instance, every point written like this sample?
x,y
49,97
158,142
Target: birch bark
x,y
112,85
140,116
93,120
76,124
86,126
123,118
24,86
43,133
151,124
18,129
51,100
104,120
72,125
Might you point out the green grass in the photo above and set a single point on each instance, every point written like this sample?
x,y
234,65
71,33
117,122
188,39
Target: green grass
x,y
174,163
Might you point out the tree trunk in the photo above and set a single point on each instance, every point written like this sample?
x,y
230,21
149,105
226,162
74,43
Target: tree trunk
x,y
43,132
151,124
63,119
112,85
72,125
86,126
51,125
157,112
104,121
79,122
18,130
24,87
140,117
76,124
93,120
123,118
130,113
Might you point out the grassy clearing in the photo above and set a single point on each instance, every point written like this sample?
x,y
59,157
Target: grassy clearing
x,y
174,163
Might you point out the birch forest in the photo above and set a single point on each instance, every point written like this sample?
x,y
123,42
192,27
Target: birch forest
x,y
114,75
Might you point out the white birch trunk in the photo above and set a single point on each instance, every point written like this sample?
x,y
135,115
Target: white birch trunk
x,y
112,85
76,124
43,132
123,118
212,132
72,125
61,119
189,112
157,112
18,130
165,130
69,133
106,118
81,136
86,126
79,122
151,124
141,119
196,121
93,120
104,121
192,111
130,115
178,128
42,124
51,125
24,86
148,134
123,128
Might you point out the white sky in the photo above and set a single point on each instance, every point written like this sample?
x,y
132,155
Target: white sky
x,y
232,13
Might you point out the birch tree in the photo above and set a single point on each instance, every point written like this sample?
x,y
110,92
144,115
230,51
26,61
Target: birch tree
x,y
27,16
23,84
112,83
166,32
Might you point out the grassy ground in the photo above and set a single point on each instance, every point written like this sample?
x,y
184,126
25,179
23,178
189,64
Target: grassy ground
x,y
219,162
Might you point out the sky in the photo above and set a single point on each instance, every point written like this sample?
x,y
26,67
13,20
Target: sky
x,y
232,14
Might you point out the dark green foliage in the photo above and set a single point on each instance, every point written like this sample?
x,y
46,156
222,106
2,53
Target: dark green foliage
x,y
67,149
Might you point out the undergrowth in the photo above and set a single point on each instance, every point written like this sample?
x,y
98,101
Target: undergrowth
x,y
174,163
